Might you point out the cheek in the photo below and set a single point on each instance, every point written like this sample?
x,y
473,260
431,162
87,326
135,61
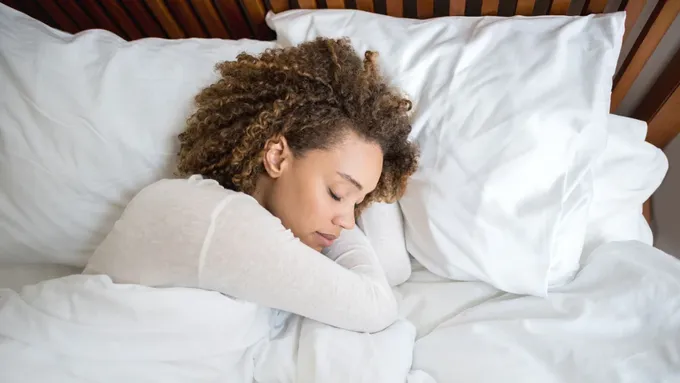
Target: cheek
x,y
316,203
304,203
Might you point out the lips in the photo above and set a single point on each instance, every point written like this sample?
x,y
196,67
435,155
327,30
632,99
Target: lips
x,y
326,239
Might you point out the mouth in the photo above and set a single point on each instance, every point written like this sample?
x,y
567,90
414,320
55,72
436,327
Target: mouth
x,y
325,239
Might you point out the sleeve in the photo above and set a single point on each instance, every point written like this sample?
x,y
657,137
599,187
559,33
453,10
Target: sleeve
x,y
262,262
383,224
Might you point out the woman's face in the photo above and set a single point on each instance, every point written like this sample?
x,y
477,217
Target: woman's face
x,y
314,195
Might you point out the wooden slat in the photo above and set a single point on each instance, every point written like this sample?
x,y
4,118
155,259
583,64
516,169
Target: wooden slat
x,y
410,9
166,19
614,5
145,20
60,17
31,8
541,7
282,5
335,4
101,18
661,19
661,105
576,7
457,7
559,7
211,19
184,15
365,5
76,13
597,6
665,125
255,13
525,7
14,4
425,9
121,18
633,11
395,8
507,7
380,6
489,7
441,8
473,7
307,4
232,16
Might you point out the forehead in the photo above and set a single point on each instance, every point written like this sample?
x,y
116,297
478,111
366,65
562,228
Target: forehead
x,y
353,156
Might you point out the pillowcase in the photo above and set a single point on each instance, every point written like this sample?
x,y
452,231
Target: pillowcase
x,y
510,116
625,176
86,122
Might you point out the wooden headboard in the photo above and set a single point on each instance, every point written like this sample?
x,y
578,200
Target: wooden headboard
x,y
647,21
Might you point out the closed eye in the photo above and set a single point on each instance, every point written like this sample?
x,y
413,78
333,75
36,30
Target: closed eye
x,y
334,196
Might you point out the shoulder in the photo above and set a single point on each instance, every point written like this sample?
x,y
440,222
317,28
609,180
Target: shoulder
x,y
206,195
194,185
194,194
192,190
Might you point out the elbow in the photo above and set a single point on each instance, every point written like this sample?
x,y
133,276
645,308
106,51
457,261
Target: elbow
x,y
383,315
398,275
384,322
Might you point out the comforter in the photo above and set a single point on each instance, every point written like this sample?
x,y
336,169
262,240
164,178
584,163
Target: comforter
x,y
617,321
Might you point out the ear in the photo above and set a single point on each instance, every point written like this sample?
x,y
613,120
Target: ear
x,y
277,156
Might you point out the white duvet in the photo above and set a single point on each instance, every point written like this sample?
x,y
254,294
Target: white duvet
x,y
618,321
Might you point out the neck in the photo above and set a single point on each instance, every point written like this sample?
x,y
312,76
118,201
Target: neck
x,y
261,192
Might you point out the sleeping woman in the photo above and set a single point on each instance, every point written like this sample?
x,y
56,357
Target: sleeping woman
x,y
281,155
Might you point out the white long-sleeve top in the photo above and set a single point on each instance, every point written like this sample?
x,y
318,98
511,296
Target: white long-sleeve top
x,y
383,224
195,233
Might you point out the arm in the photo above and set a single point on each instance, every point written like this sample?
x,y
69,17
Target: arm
x,y
196,234
384,226
262,262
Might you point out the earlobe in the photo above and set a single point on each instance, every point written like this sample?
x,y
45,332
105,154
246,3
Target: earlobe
x,y
276,156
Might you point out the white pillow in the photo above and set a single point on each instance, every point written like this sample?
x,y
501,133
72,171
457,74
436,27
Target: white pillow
x,y
625,176
510,115
87,121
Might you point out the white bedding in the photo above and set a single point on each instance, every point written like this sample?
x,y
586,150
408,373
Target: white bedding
x,y
618,321
17,275
84,328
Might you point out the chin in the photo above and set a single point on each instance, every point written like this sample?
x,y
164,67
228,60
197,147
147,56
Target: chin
x,y
313,246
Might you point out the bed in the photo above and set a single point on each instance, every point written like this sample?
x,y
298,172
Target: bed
x,y
616,320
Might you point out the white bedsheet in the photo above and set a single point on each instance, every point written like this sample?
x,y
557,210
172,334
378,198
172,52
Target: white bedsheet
x,y
618,321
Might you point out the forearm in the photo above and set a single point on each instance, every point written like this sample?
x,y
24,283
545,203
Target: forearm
x,y
347,289
384,226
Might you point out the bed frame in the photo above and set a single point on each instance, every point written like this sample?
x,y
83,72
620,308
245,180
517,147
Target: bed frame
x,y
646,24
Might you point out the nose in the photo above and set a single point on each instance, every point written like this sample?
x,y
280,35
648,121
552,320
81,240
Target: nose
x,y
345,220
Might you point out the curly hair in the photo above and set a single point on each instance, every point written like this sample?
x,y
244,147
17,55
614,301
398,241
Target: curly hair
x,y
310,94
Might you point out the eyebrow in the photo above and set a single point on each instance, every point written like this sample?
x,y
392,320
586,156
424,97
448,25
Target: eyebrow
x,y
352,180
